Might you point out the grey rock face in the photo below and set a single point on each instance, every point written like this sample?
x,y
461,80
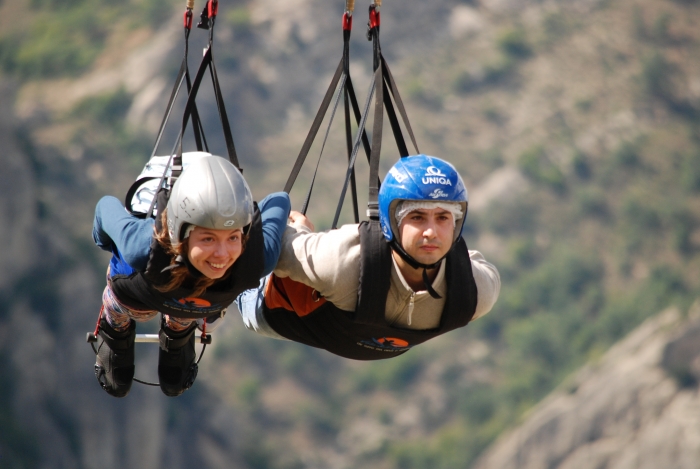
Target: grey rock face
x,y
637,408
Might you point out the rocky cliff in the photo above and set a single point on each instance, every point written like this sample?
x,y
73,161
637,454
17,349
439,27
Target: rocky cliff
x,y
637,407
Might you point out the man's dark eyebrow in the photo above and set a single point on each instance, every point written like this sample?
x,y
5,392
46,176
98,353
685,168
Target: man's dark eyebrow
x,y
424,210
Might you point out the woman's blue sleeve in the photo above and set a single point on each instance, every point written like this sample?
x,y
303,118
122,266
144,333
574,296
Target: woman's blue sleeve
x,y
274,211
117,231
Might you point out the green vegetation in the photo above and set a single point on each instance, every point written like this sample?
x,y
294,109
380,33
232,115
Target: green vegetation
x,y
64,38
535,164
514,43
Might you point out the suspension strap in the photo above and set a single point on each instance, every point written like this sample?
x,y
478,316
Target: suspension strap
x,y
175,161
183,74
211,10
342,76
385,87
314,128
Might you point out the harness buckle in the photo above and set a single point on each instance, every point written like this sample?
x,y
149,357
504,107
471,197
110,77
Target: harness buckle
x,y
204,18
164,340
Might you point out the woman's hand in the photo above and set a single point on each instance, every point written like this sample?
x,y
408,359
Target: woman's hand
x,y
297,218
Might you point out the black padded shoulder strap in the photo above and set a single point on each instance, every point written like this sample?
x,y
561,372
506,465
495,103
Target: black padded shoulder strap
x,y
462,295
375,275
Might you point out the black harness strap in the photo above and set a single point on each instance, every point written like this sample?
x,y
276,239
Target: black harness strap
x,y
197,128
207,63
342,76
231,148
175,161
399,102
183,73
314,128
305,205
375,280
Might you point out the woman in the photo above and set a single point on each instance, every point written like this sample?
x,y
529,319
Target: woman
x,y
208,243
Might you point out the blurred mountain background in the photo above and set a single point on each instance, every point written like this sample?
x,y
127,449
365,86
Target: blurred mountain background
x,y
575,126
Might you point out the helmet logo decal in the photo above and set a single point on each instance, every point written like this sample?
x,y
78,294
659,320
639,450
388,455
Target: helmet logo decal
x,y
437,193
229,222
433,175
398,175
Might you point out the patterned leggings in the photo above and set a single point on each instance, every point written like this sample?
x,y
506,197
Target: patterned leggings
x,y
119,316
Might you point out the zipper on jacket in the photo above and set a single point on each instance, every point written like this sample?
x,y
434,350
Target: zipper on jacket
x,y
410,306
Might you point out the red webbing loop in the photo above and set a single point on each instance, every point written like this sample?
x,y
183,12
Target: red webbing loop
x,y
347,21
213,8
187,19
97,326
203,336
374,18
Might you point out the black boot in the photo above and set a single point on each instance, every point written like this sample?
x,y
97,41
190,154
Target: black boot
x,y
114,367
177,368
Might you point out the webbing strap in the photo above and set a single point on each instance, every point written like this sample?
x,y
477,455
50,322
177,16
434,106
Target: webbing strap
x,y
355,148
373,198
389,78
358,117
197,128
207,63
385,87
175,161
375,275
314,128
342,75
347,29
222,115
348,146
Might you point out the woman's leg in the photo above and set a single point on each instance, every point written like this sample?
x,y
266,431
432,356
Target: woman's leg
x,y
178,324
118,316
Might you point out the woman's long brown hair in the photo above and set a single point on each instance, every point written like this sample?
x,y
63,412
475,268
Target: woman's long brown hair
x,y
181,272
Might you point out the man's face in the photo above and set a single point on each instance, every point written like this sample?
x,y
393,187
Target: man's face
x,y
426,234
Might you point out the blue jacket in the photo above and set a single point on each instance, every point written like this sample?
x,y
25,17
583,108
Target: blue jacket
x,y
128,238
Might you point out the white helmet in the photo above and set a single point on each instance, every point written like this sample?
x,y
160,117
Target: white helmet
x,y
210,193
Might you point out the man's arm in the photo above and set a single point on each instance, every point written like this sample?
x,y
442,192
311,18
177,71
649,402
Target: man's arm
x,y
328,262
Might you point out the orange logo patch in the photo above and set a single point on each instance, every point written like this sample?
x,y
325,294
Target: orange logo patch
x,y
194,302
392,342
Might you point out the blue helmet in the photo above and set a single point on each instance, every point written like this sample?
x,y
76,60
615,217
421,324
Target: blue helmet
x,y
419,177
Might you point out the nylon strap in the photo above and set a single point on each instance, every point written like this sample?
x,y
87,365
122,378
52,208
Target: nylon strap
x,y
355,148
175,161
314,128
197,124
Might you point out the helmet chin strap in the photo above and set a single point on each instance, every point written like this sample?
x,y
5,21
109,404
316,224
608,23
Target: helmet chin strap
x,y
417,265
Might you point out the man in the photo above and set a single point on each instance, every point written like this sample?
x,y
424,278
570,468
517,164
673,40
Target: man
x,y
375,290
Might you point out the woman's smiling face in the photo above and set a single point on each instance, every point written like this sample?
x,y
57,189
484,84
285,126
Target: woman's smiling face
x,y
212,252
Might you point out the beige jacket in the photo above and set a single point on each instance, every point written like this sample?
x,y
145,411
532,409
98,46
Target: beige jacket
x,y
329,262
